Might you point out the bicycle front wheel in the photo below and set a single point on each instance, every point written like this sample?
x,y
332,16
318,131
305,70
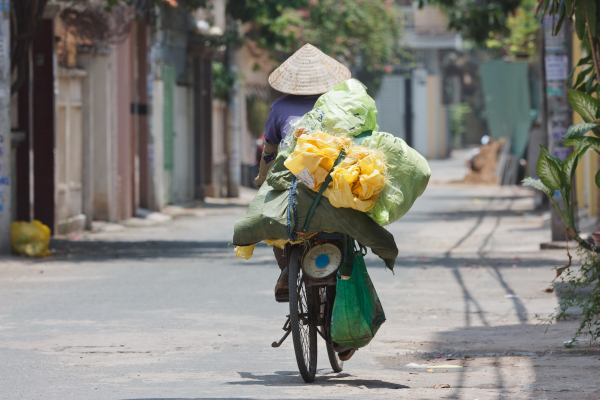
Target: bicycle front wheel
x,y
302,319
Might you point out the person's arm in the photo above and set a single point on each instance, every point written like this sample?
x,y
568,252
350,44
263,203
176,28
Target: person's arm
x,y
272,139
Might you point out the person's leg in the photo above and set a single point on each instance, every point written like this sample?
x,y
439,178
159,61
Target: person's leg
x,y
280,257
282,286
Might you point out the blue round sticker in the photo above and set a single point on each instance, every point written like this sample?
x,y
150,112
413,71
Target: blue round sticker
x,y
322,261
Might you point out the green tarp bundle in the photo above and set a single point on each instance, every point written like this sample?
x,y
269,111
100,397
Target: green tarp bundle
x,y
267,219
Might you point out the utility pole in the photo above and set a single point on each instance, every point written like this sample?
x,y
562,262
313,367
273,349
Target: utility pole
x,y
5,146
557,64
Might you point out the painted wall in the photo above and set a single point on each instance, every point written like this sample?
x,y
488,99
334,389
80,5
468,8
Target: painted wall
x,y
69,146
391,106
183,169
125,129
155,150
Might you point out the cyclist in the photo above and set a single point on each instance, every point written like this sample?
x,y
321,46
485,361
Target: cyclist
x,y
303,77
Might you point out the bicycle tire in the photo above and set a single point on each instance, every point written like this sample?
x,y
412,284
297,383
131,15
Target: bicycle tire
x,y
302,323
334,359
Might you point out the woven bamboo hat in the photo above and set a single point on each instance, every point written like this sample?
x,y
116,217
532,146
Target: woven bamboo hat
x,y
308,71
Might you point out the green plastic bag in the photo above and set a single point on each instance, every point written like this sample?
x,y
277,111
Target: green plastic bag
x,y
357,311
346,109
408,176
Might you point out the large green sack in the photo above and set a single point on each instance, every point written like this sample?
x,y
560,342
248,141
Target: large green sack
x,y
267,219
346,109
357,312
408,176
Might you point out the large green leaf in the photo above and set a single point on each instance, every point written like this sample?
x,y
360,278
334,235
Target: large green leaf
x,y
580,20
570,164
585,105
536,183
591,143
569,7
561,18
597,178
590,8
573,142
549,169
577,131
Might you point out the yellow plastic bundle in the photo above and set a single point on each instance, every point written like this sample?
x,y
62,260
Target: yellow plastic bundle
x,y
245,252
313,157
357,180
30,238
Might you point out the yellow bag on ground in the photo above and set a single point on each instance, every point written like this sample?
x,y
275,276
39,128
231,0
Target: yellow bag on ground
x,y
313,157
30,238
357,180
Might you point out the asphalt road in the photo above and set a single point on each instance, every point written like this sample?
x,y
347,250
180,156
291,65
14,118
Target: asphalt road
x,y
168,312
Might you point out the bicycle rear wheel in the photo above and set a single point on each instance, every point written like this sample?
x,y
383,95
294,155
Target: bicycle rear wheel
x,y
334,359
328,295
302,319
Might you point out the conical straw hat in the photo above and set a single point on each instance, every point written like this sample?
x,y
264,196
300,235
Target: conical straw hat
x,y
308,71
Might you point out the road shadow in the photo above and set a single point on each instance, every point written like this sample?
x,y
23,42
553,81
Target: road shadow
x,y
474,262
460,215
85,250
292,378
496,349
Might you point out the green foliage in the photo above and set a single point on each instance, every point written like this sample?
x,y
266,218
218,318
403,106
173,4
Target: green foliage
x,y
584,105
363,34
536,183
585,14
550,170
477,20
458,113
579,289
577,131
257,111
223,81
523,27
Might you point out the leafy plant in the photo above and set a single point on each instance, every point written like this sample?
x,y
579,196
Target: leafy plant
x,y
477,20
458,113
580,289
223,80
363,34
556,176
523,27
257,110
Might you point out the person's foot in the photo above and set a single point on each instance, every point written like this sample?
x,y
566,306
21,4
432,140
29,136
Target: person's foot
x,y
346,355
282,289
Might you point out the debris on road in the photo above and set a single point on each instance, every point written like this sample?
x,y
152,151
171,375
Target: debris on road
x,y
443,386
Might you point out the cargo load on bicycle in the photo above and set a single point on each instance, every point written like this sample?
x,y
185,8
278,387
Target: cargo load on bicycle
x,y
346,113
326,194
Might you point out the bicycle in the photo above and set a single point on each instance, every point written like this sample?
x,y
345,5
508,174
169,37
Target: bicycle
x,y
313,267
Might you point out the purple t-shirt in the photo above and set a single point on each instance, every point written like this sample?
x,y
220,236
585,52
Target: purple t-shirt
x,y
283,112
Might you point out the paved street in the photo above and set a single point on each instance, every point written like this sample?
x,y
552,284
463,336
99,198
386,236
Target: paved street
x,y
167,311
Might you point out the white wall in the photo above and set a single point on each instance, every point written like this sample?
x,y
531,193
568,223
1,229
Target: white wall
x,y
419,108
156,151
391,106
183,170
